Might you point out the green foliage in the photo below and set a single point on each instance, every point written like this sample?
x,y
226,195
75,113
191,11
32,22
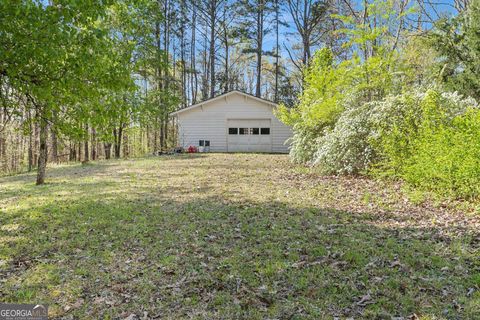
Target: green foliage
x,y
447,157
394,135
457,41
63,57
436,146
320,103
332,86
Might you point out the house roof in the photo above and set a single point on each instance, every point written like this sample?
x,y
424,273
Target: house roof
x,y
224,95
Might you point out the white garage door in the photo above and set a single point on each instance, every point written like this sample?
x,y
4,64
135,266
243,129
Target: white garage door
x,y
249,135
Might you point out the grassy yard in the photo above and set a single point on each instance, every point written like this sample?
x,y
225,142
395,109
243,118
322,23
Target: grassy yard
x,y
232,237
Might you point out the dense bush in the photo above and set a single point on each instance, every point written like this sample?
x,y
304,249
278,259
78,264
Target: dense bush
x,y
384,133
345,149
431,140
448,158
440,150
351,146
320,103
398,131
303,144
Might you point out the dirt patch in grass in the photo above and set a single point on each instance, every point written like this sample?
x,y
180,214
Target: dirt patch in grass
x,y
232,236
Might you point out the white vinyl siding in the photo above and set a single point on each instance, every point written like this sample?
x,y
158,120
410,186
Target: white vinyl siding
x,y
210,122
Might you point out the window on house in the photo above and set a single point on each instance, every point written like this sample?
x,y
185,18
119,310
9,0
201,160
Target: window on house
x,y
255,131
201,143
232,130
265,131
207,143
244,130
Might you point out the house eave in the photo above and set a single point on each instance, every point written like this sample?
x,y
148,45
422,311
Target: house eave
x,y
225,95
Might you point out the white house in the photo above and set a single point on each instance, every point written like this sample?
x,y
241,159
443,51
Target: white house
x,y
232,122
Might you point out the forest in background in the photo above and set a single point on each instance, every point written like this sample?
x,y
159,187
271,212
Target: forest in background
x,y
82,80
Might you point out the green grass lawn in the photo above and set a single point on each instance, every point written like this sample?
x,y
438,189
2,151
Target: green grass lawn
x,y
231,237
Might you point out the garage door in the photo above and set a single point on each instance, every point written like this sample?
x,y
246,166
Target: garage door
x,y
249,135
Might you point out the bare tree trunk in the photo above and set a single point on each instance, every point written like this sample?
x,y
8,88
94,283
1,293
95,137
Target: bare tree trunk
x,y
206,69
148,137
277,11
226,45
94,144
258,89
85,144
118,141
162,134
107,146
158,74
73,152
193,53
126,152
35,144
18,156
155,144
227,76
30,143
54,146
212,47
2,140
53,133
182,52
3,152
166,132
306,24
42,158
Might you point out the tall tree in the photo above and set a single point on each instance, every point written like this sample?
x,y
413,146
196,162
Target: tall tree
x,y
210,12
254,28
277,48
307,17
458,43
193,64
228,35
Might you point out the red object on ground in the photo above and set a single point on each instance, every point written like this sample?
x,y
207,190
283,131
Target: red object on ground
x,y
192,149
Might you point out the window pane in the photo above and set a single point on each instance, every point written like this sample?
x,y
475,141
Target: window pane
x,y
255,130
265,131
232,130
243,130
207,143
200,143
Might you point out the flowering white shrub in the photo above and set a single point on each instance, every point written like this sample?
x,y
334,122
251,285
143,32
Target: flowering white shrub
x,y
351,146
345,149
303,145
